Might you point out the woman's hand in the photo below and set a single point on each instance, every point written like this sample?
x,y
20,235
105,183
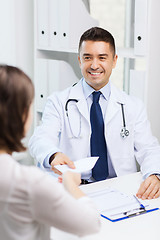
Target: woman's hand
x,y
71,181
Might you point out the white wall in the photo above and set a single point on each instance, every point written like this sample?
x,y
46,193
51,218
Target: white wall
x,y
7,30
17,38
153,68
16,41
24,35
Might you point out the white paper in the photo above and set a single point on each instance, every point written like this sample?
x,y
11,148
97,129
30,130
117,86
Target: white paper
x,y
81,165
113,204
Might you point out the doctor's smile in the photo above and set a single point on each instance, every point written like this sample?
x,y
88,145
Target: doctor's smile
x,y
95,74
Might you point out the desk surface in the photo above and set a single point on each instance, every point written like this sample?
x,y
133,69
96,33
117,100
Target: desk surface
x,y
141,227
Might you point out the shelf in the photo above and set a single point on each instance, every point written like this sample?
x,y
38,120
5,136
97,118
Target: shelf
x,y
122,52
57,49
127,53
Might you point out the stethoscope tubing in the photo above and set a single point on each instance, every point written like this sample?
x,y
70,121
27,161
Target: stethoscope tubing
x,y
124,122
124,132
66,105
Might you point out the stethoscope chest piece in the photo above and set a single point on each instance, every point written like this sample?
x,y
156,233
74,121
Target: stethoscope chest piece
x,y
124,132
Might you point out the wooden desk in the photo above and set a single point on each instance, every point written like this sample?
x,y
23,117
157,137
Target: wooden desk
x,y
143,227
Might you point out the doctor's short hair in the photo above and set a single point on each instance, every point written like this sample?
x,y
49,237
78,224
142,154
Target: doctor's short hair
x,y
98,34
16,96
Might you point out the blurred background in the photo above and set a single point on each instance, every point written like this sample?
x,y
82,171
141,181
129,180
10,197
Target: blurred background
x,y
41,37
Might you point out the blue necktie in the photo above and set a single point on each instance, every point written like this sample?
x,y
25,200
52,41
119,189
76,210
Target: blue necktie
x,y
98,142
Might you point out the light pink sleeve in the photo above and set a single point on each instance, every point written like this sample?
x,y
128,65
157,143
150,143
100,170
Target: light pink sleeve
x,y
53,206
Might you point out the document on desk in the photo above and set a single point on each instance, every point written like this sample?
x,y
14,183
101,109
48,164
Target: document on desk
x,y
81,165
115,205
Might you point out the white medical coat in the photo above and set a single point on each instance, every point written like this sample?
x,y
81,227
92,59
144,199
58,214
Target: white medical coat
x,y
71,135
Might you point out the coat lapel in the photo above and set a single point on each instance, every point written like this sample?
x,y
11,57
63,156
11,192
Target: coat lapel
x,y
77,93
114,102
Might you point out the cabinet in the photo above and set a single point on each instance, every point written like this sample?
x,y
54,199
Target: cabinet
x,y
58,26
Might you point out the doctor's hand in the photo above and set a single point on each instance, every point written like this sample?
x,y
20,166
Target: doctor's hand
x,y
60,158
150,188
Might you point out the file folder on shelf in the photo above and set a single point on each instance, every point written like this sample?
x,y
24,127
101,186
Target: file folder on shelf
x,y
140,27
54,35
60,76
49,78
60,23
42,23
41,91
64,23
115,206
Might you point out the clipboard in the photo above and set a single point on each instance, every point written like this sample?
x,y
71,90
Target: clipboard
x,y
129,215
114,205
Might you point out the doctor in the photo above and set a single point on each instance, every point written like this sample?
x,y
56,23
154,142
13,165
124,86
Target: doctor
x,y
66,132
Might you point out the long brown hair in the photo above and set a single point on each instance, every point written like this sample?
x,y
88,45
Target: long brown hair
x,y
16,96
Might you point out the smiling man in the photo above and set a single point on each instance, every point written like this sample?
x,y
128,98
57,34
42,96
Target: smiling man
x,y
93,118
97,59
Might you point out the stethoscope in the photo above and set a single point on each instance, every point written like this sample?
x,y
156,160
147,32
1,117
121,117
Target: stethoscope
x,y
124,132
66,109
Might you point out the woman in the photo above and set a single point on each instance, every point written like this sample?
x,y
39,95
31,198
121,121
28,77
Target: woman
x,y
30,200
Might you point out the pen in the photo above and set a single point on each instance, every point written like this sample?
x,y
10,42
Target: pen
x,y
141,205
127,212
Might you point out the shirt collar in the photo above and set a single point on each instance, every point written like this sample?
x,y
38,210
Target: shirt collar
x,y
106,90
